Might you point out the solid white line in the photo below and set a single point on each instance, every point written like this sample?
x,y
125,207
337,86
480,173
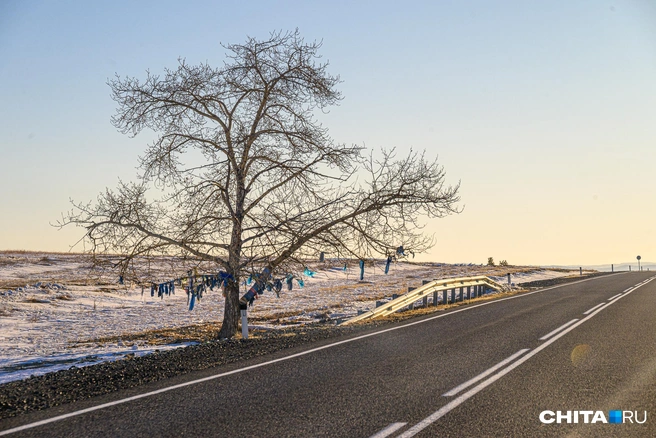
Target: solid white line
x,y
388,430
248,368
613,297
562,327
484,374
626,290
467,395
593,309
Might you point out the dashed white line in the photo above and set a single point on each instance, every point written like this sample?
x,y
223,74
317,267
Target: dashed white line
x,y
484,374
613,297
414,430
388,430
562,327
593,309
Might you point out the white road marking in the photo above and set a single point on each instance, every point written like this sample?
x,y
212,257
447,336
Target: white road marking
x,y
593,309
388,430
467,395
613,297
484,374
248,368
562,327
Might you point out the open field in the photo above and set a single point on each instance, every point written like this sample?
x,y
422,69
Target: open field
x,y
57,312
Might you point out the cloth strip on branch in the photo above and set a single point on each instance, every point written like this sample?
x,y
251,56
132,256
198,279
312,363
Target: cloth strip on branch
x,y
387,264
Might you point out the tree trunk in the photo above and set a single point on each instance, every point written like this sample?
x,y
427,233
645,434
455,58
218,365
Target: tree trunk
x,y
231,314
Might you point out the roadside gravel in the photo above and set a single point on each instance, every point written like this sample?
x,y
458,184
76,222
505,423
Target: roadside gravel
x,y
74,384
559,280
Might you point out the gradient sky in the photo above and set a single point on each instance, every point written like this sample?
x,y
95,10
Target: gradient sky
x,y
544,110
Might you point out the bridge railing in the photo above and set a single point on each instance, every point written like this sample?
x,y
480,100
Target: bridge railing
x,y
459,288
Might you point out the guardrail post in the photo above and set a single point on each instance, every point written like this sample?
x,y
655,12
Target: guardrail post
x,y
434,298
426,301
461,293
453,295
581,271
509,283
612,268
469,292
444,297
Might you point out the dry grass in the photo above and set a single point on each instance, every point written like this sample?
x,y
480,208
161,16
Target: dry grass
x,y
36,300
64,297
199,333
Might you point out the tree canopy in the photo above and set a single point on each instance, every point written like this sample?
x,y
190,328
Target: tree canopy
x,y
243,174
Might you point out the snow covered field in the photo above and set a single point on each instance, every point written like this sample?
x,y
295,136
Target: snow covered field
x,y
55,311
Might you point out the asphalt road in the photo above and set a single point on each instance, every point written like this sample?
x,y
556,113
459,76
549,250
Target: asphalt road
x,y
415,378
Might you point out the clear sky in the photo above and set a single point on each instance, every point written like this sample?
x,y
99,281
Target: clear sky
x,y
544,110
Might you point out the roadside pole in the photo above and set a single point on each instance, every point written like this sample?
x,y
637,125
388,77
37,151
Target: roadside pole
x,y
244,320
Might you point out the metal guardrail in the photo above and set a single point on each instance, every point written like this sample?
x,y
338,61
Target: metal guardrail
x,y
474,286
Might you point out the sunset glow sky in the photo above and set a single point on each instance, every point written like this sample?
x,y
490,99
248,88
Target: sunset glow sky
x,y
545,111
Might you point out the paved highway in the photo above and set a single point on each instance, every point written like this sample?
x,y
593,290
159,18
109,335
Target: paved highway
x,y
483,370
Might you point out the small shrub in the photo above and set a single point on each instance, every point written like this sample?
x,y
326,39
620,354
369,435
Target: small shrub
x,y
503,263
490,261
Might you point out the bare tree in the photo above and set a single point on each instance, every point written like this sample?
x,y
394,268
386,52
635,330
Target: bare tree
x,y
245,176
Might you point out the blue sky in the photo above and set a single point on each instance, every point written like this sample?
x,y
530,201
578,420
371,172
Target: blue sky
x,y
545,111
